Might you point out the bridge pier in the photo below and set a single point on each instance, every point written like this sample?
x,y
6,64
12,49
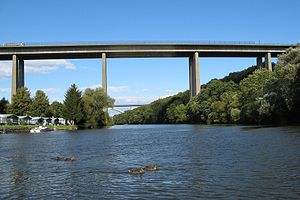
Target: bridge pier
x,y
268,62
194,74
17,74
104,73
259,62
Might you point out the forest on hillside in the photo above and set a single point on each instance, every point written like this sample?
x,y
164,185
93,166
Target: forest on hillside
x,y
251,96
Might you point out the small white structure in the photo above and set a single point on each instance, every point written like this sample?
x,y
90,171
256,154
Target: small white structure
x,y
26,119
37,120
61,121
5,117
39,129
47,120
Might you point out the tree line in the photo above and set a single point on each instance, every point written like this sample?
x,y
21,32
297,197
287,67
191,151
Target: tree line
x,y
252,96
85,109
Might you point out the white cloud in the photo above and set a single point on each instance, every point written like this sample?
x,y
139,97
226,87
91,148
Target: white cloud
x,y
44,66
134,99
48,90
165,96
117,89
111,89
5,69
141,99
169,91
145,90
91,87
5,90
51,100
36,66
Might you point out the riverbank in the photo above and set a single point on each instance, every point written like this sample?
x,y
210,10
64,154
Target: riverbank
x,y
26,128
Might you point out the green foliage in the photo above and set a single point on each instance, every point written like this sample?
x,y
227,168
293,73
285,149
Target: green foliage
x,y
214,103
9,122
235,115
158,112
40,105
252,96
95,102
56,109
3,106
21,102
73,109
287,84
237,77
177,114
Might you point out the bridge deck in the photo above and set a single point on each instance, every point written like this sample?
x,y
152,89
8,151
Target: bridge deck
x,y
77,51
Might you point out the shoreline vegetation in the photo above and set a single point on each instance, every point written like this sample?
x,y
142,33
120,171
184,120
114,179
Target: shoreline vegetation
x,y
79,110
254,96
5,129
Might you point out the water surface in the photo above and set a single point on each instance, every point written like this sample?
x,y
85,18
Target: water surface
x,y
195,161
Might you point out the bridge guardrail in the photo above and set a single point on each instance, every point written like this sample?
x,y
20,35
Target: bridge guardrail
x,y
136,42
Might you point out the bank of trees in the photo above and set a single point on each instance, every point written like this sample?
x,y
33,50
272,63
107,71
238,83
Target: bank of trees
x,y
85,110
252,96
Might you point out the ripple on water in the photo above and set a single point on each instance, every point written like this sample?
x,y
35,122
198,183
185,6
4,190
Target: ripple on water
x,y
218,162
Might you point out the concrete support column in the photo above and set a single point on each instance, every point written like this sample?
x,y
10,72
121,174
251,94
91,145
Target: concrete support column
x,y
268,62
17,74
21,74
15,70
194,74
104,73
191,76
259,61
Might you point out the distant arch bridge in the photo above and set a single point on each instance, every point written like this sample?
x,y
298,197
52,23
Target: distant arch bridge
x,y
118,108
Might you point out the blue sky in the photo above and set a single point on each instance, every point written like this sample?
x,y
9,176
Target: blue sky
x,y
139,81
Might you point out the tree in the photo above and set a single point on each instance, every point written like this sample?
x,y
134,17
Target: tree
x,y
95,103
3,105
253,89
214,102
73,110
287,72
56,109
235,115
177,113
40,105
21,102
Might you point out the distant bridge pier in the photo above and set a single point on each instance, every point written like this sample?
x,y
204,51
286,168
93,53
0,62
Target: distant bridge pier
x,y
194,74
259,62
104,73
268,62
17,74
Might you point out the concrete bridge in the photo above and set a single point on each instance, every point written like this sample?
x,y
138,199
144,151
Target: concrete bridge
x,y
19,53
119,107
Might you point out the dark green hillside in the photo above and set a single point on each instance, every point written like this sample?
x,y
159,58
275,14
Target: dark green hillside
x,y
251,96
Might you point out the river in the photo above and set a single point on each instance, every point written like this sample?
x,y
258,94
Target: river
x,y
195,161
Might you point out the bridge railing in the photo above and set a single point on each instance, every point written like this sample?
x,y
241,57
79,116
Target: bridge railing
x,y
133,42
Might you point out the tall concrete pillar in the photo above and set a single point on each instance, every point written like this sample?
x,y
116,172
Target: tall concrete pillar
x,y
259,61
21,74
104,73
194,74
197,73
191,73
15,70
268,62
17,74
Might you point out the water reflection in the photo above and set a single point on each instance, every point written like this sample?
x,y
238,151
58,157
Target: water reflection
x,y
194,162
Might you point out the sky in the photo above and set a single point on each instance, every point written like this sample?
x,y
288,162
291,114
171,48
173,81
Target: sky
x,y
138,81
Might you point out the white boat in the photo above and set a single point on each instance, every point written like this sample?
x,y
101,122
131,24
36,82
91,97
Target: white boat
x,y
39,129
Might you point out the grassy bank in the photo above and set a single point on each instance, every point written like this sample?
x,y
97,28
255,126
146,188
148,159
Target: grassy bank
x,y
27,128
15,128
64,127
